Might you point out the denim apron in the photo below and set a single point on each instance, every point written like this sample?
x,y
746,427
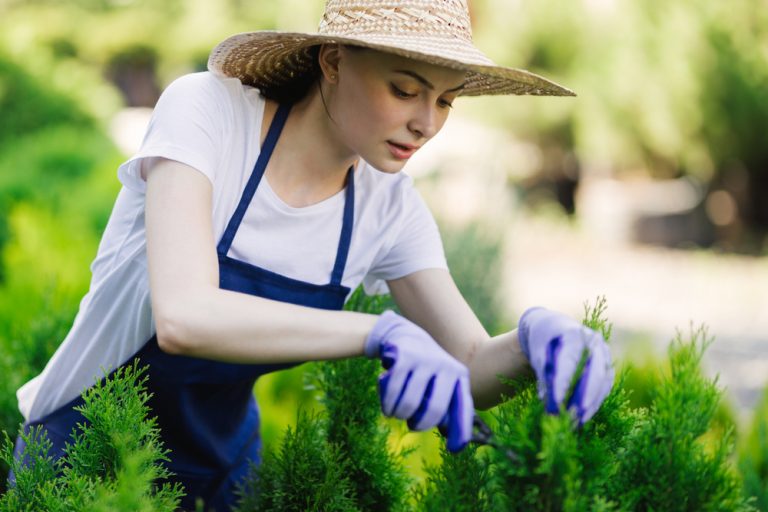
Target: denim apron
x,y
206,409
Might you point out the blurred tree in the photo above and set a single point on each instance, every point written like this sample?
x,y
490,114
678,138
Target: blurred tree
x,y
735,106
28,105
134,71
671,89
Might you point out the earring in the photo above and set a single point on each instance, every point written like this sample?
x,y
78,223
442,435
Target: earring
x,y
333,78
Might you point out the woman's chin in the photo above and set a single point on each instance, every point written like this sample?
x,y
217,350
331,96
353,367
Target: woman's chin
x,y
387,165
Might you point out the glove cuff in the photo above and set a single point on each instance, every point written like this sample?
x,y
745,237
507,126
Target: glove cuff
x,y
372,347
524,326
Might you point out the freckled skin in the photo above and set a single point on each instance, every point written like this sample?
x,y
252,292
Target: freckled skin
x,y
373,102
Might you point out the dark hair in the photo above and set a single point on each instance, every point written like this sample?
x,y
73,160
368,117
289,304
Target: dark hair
x,y
298,87
295,89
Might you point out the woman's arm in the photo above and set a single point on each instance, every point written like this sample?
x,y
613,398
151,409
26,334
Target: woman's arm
x,y
194,317
431,299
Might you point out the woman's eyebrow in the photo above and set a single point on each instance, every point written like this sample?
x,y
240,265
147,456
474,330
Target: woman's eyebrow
x,y
424,81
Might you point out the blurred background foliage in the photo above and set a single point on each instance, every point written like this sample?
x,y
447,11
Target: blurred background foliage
x,y
667,91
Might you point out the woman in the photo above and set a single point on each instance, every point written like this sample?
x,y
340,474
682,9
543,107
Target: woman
x,y
264,192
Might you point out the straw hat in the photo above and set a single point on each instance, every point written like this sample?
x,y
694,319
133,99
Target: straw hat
x,y
433,31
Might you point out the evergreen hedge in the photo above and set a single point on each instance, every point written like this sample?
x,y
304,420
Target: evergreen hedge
x,y
112,462
626,458
753,459
339,460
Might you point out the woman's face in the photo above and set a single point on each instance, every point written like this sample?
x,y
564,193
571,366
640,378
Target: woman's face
x,y
387,106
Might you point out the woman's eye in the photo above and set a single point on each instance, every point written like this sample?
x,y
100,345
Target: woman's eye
x,y
401,93
445,104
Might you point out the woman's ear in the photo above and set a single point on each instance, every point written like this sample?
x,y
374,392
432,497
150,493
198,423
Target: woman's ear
x,y
328,58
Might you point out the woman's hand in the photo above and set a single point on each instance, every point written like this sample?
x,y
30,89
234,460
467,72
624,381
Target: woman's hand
x,y
423,383
554,345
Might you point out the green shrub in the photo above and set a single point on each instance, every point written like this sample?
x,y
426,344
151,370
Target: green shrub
x,y
25,347
458,484
349,392
46,275
112,463
345,449
753,456
354,425
305,473
665,465
28,105
474,257
540,463
54,202
625,458
280,395
49,164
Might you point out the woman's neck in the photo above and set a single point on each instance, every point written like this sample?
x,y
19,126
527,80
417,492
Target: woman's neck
x,y
310,161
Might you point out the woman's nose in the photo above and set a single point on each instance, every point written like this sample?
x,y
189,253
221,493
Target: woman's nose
x,y
424,122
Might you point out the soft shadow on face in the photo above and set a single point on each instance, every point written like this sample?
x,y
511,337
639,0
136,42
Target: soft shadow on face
x,y
387,106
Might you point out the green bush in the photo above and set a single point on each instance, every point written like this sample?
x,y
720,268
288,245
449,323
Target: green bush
x,y
474,257
25,353
113,462
48,165
339,460
354,425
54,202
47,144
753,456
28,105
305,473
625,458
459,483
672,454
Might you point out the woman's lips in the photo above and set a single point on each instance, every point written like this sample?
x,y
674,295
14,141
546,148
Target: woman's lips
x,y
401,151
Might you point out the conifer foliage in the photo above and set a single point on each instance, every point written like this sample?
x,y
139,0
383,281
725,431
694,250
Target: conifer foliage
x,y
339,461
753,461
624,459
112,463
304,473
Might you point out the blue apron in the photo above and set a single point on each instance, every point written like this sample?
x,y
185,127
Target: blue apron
x,y
206,409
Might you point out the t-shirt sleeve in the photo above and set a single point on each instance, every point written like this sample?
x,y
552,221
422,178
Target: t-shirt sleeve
x,y
188,125
415,245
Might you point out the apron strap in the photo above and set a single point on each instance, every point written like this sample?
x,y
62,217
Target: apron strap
x,y
345,240
253,182
346,229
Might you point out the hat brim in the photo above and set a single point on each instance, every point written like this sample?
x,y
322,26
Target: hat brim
x,y
273,57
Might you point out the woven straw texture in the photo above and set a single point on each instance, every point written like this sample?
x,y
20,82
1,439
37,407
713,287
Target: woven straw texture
x,y
433,31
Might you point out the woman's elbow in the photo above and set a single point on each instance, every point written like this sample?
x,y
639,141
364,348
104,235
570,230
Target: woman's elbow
x,y
172,328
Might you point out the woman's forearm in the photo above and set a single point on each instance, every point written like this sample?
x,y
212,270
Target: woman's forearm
x,y
498,356
228,326
193,316
234,327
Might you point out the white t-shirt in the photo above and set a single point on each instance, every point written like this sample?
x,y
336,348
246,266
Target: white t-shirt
x,y
213,124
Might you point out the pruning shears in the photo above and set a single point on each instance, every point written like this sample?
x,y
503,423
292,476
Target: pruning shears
x,y
483,435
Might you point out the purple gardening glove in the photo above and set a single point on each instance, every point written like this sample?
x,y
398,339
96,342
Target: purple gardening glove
x,y
554,343
423,383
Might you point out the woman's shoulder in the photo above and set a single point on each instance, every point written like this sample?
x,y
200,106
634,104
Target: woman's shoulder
x,y
213,89
199,81
206,79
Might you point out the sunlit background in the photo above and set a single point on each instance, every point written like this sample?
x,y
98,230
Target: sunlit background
x,y
648,188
